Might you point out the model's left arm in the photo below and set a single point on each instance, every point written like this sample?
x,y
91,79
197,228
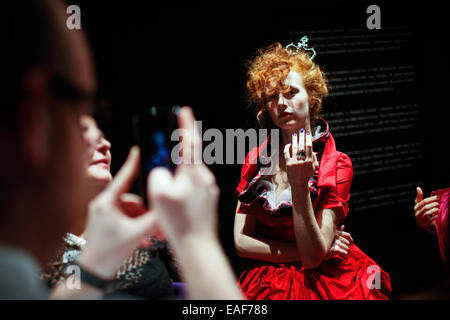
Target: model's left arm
x,y
315,231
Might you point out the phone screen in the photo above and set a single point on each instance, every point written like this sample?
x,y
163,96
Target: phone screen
x,y
152,131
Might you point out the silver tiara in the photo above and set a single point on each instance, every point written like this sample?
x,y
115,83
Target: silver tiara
x,y
302,44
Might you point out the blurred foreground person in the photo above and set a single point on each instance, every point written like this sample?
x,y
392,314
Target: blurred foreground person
x,y
50,79
51,83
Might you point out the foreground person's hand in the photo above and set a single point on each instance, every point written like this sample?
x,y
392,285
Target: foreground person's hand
x,y
186,205
187,201
113,231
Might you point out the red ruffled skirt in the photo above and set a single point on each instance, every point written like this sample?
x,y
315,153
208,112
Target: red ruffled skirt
x,y
356,277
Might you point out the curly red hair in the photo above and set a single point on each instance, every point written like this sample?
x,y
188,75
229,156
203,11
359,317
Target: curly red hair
x,y
267,72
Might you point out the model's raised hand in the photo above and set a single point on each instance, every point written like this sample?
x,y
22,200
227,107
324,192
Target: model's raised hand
x,y
301,161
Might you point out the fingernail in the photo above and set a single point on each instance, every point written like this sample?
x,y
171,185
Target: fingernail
x,y
301,130
307,133
294,134
135,149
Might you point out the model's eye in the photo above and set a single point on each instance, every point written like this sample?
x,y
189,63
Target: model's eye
x,y
291,93
273,96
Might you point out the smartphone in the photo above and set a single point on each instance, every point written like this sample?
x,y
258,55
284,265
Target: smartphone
x,y
152,132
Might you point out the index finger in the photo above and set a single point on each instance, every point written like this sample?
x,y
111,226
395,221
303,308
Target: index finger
x,y
301,140
192,142
347,235
308,144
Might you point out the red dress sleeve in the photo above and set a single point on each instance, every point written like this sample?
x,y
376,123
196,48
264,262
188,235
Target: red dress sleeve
x,y
338,196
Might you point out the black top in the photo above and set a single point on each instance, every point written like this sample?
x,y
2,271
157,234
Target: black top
x,y
146,274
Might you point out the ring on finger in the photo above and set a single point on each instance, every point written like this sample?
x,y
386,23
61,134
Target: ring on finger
x,y
301,155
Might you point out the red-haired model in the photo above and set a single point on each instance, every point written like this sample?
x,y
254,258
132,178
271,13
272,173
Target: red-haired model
x,y
286,222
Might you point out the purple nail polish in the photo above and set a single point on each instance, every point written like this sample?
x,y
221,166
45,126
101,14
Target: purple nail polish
x,y
294,134
301,130
307,133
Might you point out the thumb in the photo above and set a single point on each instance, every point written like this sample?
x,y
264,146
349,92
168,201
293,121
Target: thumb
x,y
124,178
148,223
159,181
316,162
419,196
132,204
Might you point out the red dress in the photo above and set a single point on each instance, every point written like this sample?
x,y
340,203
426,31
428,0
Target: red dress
x,y
355,277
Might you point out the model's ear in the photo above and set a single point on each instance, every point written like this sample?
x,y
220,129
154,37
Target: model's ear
x,y
34,122
312,103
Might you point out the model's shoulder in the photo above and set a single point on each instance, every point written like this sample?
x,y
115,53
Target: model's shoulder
x,y
343,159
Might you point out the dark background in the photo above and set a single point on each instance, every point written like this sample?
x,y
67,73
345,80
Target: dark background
x,y
148,55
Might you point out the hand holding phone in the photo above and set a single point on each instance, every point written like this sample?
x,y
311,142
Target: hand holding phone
x,y
152,132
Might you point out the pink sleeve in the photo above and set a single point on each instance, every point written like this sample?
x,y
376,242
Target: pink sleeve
x,y
442,223
337,197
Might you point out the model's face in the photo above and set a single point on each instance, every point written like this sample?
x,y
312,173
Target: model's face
x,y
99,156
290,110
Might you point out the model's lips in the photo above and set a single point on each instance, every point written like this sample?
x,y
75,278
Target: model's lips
x,y
285,114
